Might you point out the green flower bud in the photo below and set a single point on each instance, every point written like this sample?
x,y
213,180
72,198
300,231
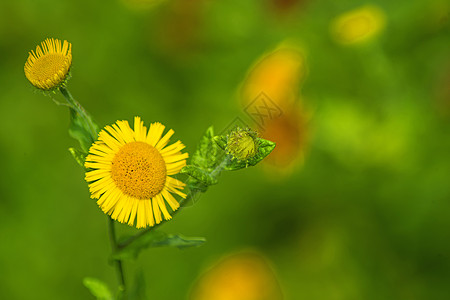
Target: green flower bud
x,y
242,144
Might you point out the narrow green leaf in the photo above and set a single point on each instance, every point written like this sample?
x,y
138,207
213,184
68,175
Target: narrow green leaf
x,y
180,241
132,250
78,155
199,174
206,154
155,238
98,288
80,129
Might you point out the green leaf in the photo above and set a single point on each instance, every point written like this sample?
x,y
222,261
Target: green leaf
x,y
206,154
98,288
180,241
200,175
204,161
155,238
78,155
81,128
265,147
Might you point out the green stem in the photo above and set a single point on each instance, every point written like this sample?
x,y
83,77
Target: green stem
x,y
114,246
81,111
75,106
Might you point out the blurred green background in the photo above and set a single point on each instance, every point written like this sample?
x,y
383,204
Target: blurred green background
x,y
365,216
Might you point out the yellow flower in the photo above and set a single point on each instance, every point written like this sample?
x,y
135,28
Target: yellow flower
x,y
48,67
242,276
130,172
358,25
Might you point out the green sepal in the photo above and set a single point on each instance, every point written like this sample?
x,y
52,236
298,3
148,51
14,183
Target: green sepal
x,y
199,175
98,288
221,141
79,156
81,128
265,147
155,238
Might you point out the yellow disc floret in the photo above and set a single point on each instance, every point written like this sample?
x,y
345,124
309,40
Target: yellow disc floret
x,y
48,67
139,170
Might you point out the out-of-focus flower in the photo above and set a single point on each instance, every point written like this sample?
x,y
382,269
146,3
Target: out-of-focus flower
x,y
289,132
270,96
277,74
359,25
129,172
49,66
244,276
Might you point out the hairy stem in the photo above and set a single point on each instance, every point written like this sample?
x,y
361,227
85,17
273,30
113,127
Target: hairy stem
x,y
81,111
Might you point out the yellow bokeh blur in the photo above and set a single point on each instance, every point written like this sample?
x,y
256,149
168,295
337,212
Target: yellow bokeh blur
x,y
359,25
241,276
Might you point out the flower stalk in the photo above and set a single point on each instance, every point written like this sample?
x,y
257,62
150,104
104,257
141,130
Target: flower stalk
x,y
114,247
92,130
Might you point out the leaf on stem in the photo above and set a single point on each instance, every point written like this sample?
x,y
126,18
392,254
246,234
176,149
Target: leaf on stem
x,y
206,155
98,288
153,238
81,129
199,175
78,155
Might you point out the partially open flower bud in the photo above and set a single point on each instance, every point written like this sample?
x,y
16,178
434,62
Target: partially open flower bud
x,y
48,68
242,144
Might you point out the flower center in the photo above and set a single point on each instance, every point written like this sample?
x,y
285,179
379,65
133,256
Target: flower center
x,y
50,66
139,170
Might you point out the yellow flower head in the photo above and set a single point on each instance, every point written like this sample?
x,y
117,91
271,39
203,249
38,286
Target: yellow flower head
x,y
358,25
48,67
130,172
